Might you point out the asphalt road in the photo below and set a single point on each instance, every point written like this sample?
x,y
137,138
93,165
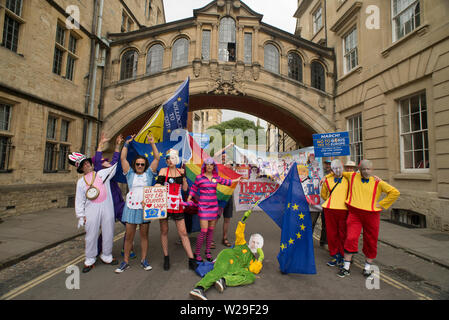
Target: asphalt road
x,y
43,277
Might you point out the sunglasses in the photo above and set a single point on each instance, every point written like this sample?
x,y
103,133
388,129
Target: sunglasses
x,y
140,164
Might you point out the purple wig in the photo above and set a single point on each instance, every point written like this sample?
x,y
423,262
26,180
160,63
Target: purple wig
x,y
209,161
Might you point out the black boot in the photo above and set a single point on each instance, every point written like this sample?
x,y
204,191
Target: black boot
x,y
166,263
193,264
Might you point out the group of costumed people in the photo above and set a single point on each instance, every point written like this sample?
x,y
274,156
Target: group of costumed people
x,y
350,205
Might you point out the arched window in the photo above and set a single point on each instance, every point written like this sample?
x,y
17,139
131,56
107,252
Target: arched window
x,y
129,65
318,79
180,53
271,58
226,40
295,67
155,58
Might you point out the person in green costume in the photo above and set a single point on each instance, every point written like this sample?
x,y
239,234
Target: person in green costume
x,y
233,267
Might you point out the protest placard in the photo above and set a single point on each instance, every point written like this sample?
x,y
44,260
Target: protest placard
x,y
155,203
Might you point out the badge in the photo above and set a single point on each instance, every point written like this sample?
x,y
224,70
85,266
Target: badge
x,y
214,180
171,180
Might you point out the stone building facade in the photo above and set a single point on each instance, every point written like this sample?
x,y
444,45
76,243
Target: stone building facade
x,y
391,92
52,62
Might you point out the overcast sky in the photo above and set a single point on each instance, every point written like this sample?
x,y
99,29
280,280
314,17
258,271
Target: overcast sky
x,y
274,13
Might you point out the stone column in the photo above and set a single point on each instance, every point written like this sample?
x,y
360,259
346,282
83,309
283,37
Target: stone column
x,y
240,44
199,41
256,45
214,42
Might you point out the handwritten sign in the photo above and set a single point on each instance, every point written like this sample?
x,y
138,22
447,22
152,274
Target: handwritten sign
x,y
249,192
155,203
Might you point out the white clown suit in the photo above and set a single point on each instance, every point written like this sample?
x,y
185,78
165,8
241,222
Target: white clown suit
x,y
98,213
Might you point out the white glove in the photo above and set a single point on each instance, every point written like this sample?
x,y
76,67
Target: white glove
x,y
81,222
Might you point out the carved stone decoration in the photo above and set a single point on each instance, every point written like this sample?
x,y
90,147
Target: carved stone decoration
x,y
119,94
256,71
196,67
322,103
228,81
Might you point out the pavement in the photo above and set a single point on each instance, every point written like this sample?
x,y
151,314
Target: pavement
x,y
25,235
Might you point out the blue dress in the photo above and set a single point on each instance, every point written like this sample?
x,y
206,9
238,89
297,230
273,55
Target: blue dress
x,y
130,215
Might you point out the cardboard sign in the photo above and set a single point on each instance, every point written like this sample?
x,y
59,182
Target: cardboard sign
x,y
249,192
155,203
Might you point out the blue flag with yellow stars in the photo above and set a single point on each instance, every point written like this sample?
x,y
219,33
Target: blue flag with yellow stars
x,y
144,149
289,209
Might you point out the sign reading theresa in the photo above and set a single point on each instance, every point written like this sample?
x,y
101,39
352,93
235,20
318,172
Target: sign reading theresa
x,y
331,144
249,192
155,203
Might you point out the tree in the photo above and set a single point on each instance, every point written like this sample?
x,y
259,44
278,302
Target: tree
x,y
236,129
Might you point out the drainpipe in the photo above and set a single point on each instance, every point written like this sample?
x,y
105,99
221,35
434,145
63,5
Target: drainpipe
x,y
89,78
94,79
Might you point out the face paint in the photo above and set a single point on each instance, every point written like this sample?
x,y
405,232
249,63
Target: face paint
x,y
366,169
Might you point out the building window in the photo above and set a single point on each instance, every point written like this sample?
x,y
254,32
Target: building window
x,y
406,17
414,142
5,117
62,50
148,9
129,65
355,138
226,42
127,23
5,139
155,58
295,67
180,53
350,50
271,58
11,26
317,20
205,45
248,48
57,146
317,73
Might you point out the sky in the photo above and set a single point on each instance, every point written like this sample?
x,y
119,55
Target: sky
x,y
279,16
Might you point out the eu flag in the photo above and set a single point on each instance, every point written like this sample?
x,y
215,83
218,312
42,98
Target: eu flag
x,y
144,149
175,110
289,209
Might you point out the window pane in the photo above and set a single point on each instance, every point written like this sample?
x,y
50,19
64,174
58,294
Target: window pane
x,y
11,33
57,61
129,65
317,76
418,141
424,120
248,48
72,44
408,160
155,59
15,6
5,115
419,159
295,67
70,67
426,140
426,161
62,156
404,107
405,124
49,157
407,141
226,40
180,53
5,147
64,130
51,128
205,45
60,35
416,121
271,58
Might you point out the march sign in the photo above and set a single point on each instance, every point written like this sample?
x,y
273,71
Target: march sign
x,y
331,144
155,203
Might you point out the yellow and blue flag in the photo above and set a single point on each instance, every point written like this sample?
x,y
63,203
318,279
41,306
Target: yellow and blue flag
x,y
170,116
289,209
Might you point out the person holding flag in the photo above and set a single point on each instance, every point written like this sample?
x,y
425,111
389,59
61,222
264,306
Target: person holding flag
x,y
289,209
139,175
206,185
236,266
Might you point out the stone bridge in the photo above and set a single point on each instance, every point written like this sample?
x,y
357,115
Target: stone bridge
x,y
234,61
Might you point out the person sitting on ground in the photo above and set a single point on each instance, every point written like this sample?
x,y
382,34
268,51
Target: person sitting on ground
x,y
235,266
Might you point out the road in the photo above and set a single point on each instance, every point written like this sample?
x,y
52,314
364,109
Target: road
x,y
43,277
